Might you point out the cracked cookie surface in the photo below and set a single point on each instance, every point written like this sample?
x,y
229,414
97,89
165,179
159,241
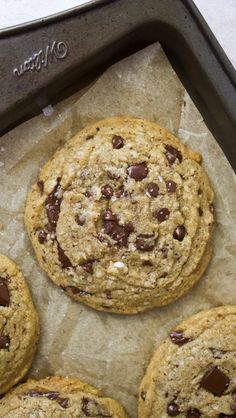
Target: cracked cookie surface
x,y
121,217
18,325
193,372
57,397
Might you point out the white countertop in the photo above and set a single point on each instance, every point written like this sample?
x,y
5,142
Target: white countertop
x,y
219,14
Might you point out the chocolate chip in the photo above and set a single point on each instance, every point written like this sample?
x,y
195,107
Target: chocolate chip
x,y
143,395
63,402
4,341
91,408
177,337
117,142
4,293
40,185
50,395
179,233
129,226
119,233
64,260
88,193
122,192
215,381
164,251
87,265
171,186
200,211
53,205
211,208
88,137
109,216
138,172
143,243
172,154
42,236
172,409
152,189
76,291
112,176
147,263
80,219
162,214
226,416
193,413
107,191
53,396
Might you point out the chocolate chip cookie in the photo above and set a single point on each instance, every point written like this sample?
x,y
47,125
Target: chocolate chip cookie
x,y
193,372
58,397
18,325
121,217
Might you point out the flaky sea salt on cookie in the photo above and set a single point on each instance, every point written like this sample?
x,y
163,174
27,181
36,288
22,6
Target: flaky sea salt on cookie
x,y
121,217
18,325
58,397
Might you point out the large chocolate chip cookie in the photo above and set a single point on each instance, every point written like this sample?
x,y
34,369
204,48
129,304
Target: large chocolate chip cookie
x,y
121,217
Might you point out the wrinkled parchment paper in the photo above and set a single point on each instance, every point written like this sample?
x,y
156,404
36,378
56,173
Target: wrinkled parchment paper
x,y
111,351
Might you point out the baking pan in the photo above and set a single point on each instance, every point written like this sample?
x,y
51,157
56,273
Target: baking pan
x,y
47,60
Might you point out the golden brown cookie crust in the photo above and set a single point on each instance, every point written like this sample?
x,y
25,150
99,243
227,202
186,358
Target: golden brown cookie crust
x,y
121,217
19,328
57,396
193,372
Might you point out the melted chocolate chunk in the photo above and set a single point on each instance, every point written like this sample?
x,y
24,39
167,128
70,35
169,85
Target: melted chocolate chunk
x,y
50,395
200,211
80,219
87,265
64,260
129,226
211,208
179,233
42,236
109,216
117,142
4,341
112,176
53,205
215,381
138,172
4,293
172,409
152,189
91,408
107,191
143,242
147,263
40,185
88,137
53,396
177,337
172,154
171,186
143,395
76,291
162,214
193,413
119,233
63,402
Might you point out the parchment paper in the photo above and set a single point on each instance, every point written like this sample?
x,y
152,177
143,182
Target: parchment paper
x,y
111,351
